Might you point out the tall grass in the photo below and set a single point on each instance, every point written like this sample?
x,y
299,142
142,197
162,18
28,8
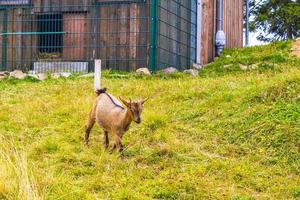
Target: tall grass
x,y
16,177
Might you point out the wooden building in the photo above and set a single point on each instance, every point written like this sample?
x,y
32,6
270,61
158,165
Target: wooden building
x,y
69,34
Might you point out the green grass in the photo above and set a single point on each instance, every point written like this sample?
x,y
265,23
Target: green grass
x,y
227,134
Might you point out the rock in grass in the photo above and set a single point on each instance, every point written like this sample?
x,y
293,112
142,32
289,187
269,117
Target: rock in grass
x,y
191,72
34,76
18,74
197,66
55,75
169,70
143,71
3,75
227,66
65,74
243,67
253,66
42,76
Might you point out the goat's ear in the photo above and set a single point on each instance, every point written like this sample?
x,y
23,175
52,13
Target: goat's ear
x,y
144,100
126,103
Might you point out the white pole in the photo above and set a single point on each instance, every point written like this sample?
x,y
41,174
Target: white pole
x,y
97,75
199,30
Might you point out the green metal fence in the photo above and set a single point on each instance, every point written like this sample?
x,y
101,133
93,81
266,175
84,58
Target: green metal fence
x,y
176,33
54,36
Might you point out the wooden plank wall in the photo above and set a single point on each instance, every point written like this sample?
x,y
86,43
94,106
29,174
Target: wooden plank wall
x,y
19,51
1,37
123,35
232,26
233,23
60,5
14,50
75,40
28,42
207,43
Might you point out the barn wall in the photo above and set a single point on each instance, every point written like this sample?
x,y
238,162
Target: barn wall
x,y
75,40
123,37
208,32
232,26
233,23
116,33
60,5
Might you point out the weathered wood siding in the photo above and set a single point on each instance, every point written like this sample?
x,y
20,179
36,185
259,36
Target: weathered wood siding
x,y
233,23
76,38
207,43
123,36
232,26
61,5
18,47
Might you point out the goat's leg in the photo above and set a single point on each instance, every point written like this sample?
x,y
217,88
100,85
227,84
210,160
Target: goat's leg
x,y
113,148
118,145
106,139
89,126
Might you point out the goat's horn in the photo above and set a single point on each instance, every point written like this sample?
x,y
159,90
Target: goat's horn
x,y
146,99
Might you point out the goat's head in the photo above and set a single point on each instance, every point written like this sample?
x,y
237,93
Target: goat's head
x,y
135,108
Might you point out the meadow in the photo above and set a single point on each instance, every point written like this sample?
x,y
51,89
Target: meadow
x,y
226,134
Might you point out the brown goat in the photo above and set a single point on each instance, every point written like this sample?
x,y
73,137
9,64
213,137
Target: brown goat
x,y
113,117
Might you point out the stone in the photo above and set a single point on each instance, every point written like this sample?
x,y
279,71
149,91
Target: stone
x,y
192,72
65,74
42,76
4,73
143,71
243,67
227,66
197,66
35,76
55,75
253,66
228,56
169,70
18,74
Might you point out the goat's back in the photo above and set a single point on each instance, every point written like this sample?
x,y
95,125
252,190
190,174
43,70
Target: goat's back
x,y
108,110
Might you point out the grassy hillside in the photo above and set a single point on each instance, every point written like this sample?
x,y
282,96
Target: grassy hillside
x,y
227,134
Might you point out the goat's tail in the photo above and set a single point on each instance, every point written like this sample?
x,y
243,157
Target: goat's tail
x,y
101,91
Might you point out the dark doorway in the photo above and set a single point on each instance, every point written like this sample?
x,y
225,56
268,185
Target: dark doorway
x,y
50,33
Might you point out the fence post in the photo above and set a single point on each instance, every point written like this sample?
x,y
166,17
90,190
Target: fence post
x,y
97,75
153,39
4,40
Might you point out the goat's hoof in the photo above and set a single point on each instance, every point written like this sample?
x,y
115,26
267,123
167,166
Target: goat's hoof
x,y
86,143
